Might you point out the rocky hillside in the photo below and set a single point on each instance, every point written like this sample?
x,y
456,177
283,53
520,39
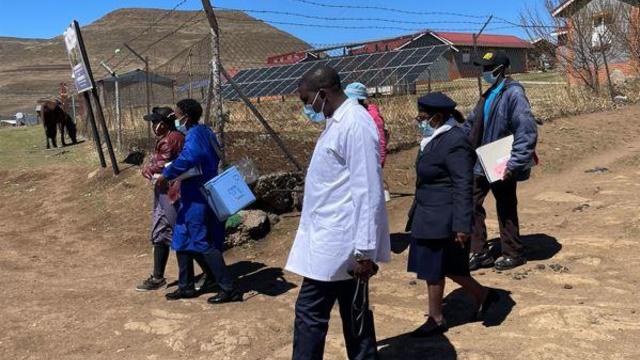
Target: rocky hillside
x,y
32,68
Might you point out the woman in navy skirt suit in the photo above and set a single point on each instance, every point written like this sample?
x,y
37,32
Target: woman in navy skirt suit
x,y
441,216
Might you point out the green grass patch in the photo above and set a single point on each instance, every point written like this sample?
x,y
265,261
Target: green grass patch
x,y
550,76
25,148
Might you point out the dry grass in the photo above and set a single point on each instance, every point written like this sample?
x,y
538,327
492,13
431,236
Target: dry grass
x,y
548,101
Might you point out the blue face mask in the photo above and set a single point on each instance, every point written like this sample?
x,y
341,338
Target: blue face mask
x,y
179,126
312,114
489,76
425,128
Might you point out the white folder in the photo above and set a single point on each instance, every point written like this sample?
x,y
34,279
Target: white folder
x,y
494,158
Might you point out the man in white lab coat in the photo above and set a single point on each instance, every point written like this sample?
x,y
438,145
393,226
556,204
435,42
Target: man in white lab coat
x,y
344,229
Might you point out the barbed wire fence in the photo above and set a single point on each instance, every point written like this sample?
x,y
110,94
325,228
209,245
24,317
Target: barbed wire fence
x,y
186,75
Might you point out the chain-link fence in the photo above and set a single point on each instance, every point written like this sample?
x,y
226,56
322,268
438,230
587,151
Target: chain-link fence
x,y
188,74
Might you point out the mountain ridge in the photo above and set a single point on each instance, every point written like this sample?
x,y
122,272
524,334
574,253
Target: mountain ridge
x,y
33,68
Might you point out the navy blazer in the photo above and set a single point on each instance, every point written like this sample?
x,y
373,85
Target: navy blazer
x,y
443,203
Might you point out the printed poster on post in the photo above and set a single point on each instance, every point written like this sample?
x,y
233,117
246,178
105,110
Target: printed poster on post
x,y
79,71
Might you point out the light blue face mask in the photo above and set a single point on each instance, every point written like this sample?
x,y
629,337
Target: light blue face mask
x,y
179,126
313,115
425,128
489,76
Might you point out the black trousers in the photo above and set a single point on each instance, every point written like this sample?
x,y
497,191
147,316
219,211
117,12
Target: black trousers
x,y
505,193
161,257
212,264
313,309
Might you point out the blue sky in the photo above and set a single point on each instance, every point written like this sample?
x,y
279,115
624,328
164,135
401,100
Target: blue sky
x,y
43,19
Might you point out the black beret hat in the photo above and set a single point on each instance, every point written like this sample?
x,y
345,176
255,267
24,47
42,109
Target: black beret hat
x,y
437,101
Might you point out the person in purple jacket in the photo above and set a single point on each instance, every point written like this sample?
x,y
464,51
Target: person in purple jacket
x,y
197,234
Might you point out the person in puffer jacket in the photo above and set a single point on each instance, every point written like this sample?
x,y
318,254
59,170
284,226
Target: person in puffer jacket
x,y
503,110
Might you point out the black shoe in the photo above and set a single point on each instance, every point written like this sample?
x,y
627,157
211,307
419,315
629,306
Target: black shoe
x,y
480,260
151,283
508,262
430,328
223,296
181,294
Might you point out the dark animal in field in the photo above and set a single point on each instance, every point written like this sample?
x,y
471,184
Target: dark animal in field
x,y
50,123
70,126
55,119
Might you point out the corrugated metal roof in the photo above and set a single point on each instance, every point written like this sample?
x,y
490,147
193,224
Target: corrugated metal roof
x,y
466,39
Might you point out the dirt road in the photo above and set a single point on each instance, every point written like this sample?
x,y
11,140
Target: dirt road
x,y
72,249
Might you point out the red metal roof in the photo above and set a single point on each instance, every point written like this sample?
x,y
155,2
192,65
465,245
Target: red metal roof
x,y
456,38
466,39
382,45
286,59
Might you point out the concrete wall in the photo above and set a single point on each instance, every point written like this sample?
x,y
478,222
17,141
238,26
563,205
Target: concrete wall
x,y
621,63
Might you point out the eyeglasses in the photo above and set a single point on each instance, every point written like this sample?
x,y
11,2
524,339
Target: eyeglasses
x,y
421,118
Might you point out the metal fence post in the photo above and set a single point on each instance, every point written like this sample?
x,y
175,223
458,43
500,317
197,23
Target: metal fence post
x,y
214,97
147,84
190,75
475,51
117,103
73,104
262,120
475,54
145,60
118,117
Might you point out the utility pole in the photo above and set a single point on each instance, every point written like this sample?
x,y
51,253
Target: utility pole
x,y
475,50
117,100
215,91
145,60
214,95
262,121
603,49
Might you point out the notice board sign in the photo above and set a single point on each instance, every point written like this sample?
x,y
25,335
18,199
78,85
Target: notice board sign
x,y
80,71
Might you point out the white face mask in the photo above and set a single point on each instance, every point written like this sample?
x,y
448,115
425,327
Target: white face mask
x,y
156,127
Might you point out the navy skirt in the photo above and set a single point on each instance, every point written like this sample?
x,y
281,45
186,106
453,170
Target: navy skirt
x,y
433,259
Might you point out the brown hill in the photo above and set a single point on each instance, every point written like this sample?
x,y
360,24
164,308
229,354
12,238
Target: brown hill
x,y
33,68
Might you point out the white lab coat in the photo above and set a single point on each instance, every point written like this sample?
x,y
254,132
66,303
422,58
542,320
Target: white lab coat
x,y
344,208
